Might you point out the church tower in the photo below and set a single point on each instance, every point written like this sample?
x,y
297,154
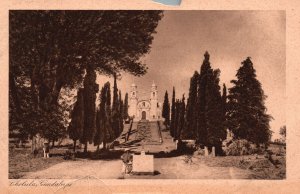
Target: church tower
x,y
153,102
133,100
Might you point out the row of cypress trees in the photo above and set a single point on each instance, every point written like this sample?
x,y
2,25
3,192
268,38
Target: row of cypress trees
x,y
208,113
101,125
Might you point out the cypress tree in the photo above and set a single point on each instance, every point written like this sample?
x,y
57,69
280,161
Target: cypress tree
x,y
104,129
121,116
172,127
190,130
125,108
201,100
247,117
177,119
76,125
214,112
181,117
100,119
224,98
115,109
224,106
90,90
115,95
110,135
166,109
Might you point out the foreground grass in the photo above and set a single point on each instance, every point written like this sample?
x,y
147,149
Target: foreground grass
x,y
259,166
21,161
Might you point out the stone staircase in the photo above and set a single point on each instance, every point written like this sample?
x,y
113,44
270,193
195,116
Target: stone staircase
x,y
146,135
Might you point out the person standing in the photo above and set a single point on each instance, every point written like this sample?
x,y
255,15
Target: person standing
x,y
46,150
127,162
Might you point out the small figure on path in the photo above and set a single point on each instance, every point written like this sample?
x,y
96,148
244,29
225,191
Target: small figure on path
x,y
46,150
127,162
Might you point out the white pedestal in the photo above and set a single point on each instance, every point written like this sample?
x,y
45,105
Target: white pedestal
x,y
143,164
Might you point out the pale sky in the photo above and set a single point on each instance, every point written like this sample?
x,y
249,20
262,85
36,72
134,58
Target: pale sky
x,y
229,37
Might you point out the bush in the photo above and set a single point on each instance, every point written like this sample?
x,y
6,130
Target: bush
x,y
199,151
69,155
241,147
185,147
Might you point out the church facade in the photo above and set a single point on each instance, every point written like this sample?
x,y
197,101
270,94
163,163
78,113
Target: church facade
x,y
144,109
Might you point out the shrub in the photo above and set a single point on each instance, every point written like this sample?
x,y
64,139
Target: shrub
x,y
199,151
241,147
69,155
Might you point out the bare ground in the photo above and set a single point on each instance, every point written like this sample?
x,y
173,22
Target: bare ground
x,y
21,161
166,166
170,168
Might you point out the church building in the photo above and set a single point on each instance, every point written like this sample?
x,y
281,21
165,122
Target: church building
x,y
144,109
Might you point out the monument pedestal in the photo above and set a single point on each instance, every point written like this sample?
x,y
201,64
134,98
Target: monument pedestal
x,y
143,164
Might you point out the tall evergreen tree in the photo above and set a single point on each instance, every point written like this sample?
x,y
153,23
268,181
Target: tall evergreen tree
x,y
101,119
115,108
247,117
90,90
166,109
201,100
177,119
224,97
76,125
224,105
115,103
121,116
181,117
213,111
104,122
190,130
110,135
172,127
125,108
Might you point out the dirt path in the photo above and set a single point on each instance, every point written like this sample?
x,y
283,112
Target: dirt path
x,y
143,135
166,168
79,169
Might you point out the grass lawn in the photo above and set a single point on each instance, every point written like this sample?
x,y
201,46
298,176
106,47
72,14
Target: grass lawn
x,y
22,161
260,167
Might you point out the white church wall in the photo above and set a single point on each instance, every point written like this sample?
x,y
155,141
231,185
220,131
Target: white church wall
x,y
151,106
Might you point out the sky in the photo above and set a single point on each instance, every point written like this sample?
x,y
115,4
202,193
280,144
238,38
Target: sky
x,y
230,37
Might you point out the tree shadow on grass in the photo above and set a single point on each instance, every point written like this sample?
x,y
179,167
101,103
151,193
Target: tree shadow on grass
x,y
155,173
106,155
130,144
101,155
173,153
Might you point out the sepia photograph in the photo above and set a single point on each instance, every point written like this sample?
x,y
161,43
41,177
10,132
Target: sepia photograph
x,y
147,94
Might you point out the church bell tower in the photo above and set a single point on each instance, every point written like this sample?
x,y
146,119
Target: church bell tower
x,y
133,100
153,102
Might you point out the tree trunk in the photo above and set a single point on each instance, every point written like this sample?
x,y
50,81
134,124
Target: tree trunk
x,y
74,148
104,144
33,144
104,138
14,93
85,147
53,143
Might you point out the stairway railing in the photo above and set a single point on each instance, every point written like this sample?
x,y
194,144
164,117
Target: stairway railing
x,y
159,132
129,131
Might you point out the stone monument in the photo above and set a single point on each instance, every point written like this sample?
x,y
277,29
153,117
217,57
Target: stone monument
x,y
143,164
